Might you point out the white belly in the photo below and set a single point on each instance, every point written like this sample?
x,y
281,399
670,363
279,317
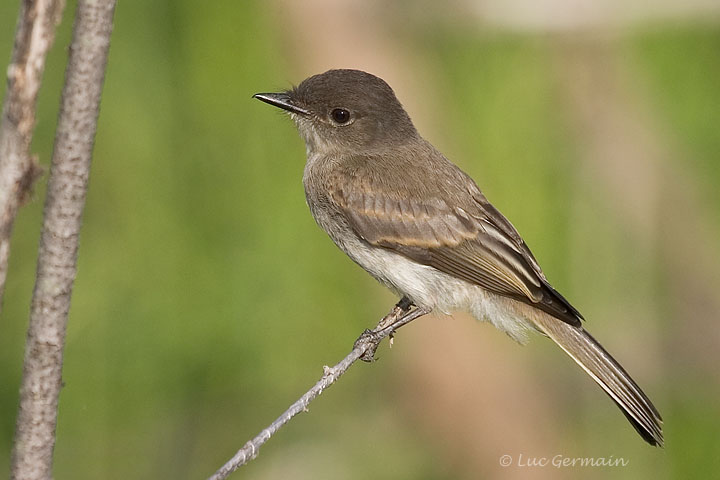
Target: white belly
x,y
434,290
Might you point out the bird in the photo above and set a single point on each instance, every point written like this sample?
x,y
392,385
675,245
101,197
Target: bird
x,y
421,226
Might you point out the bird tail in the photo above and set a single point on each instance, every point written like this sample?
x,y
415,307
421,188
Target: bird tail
x,y
608,373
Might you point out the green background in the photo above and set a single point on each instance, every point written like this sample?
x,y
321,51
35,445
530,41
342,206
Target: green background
x,y
207,300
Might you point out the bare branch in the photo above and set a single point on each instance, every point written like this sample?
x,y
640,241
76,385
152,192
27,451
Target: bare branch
x,y
18,169
363,349
67,186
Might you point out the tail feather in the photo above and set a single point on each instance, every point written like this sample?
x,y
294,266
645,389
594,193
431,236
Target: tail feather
x,y
609,374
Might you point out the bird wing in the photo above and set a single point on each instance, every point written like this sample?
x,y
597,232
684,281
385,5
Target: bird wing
x,y
474,242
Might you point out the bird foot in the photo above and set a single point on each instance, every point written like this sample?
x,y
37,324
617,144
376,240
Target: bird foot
x,y
372,338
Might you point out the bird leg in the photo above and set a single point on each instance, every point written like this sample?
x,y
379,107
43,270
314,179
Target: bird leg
x,y
404,305
401,314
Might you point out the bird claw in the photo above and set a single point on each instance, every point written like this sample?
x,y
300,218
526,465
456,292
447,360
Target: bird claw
x,y
370,339
369,342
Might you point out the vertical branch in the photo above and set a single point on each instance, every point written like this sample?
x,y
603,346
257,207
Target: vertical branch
x,y
33,37
67,186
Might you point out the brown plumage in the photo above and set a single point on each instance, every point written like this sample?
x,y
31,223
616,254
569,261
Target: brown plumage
x,y
465,236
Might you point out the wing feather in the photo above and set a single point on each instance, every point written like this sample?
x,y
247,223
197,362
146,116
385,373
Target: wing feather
x,y
474,242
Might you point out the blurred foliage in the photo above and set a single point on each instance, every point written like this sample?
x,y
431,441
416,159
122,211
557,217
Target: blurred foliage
x,y
207,299
682,65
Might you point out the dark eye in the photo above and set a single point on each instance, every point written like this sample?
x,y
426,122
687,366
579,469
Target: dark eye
x,y
340,115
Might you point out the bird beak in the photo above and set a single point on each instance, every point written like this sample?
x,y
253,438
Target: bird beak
x,y
281,100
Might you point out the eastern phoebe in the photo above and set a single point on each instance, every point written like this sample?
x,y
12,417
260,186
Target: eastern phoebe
x,y
421,226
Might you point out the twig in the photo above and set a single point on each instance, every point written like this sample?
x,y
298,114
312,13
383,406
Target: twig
x,y
363,349
34,35
57,257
